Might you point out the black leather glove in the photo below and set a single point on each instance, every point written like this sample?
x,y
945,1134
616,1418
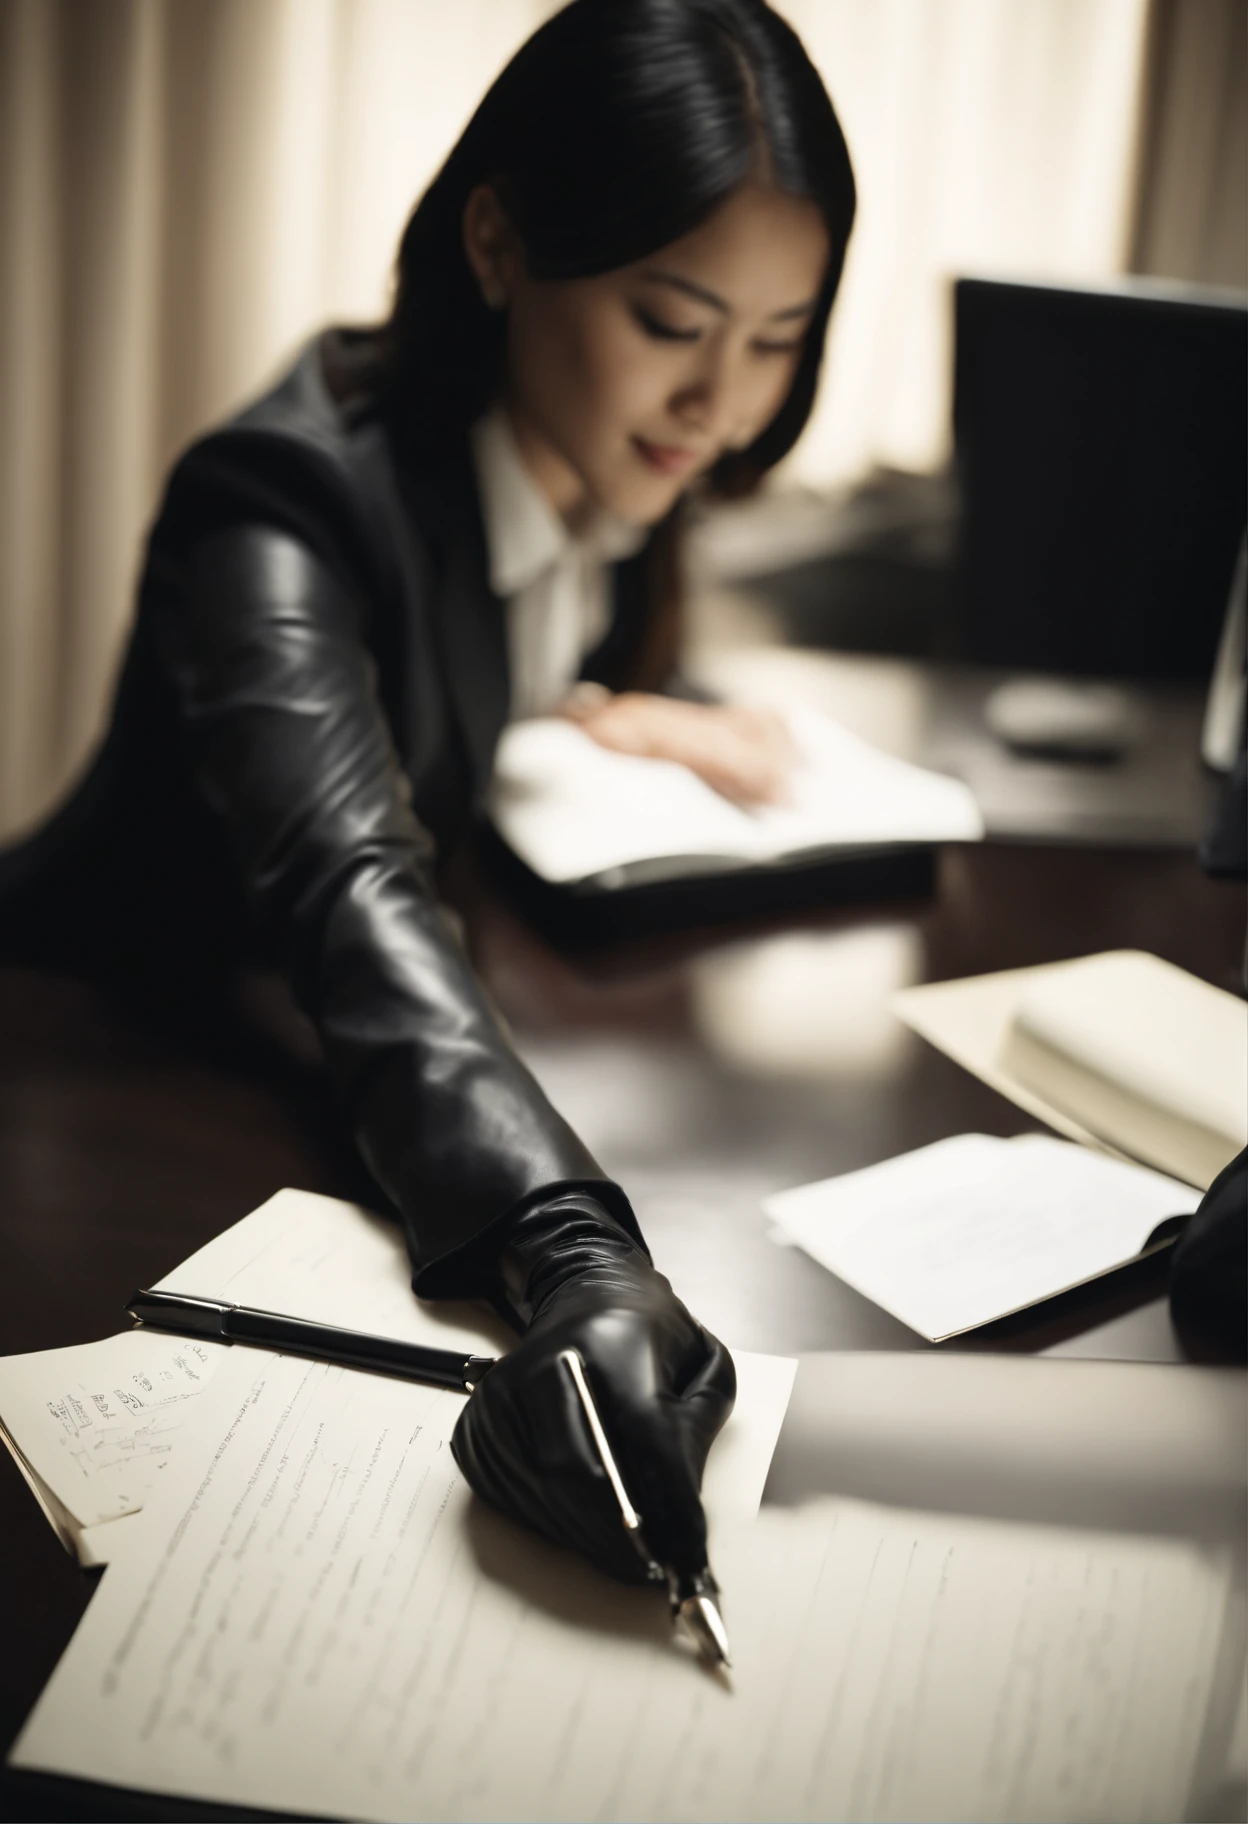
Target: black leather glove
x,y
571,1277
1209,1271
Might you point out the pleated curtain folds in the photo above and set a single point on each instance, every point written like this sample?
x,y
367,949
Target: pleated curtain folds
x,y
188,188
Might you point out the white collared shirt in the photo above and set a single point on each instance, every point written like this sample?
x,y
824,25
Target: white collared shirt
x,y
555,585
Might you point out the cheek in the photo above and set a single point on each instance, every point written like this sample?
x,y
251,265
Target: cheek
x,y
624,386
768,390
583,376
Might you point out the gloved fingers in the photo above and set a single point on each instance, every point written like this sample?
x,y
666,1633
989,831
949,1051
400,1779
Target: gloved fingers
x,y
654,1459
662,1391
588,1518
567,1500
706,1402
488,1468
556,1420
662,1394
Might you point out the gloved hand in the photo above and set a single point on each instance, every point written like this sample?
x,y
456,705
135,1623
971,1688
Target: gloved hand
x,y
571,1278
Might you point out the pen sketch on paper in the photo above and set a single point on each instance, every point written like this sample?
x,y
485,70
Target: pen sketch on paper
x,y
320,1618
96,1423
110,1428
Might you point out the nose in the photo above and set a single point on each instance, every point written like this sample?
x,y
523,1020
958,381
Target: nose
x,y
710,401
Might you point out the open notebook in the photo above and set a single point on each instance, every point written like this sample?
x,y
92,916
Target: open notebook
x,y
578,814
1121,1050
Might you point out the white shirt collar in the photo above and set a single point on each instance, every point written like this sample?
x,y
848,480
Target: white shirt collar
x,y
524,535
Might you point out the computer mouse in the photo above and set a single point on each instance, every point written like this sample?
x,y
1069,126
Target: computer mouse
x,y
1063,718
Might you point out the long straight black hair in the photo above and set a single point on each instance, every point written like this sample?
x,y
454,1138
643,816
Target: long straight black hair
x,y
618,127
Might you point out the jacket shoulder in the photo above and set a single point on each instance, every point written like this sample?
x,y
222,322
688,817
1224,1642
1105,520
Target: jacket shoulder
x,y
299,462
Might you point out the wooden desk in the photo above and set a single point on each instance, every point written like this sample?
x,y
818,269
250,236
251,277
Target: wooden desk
x,y
705,1071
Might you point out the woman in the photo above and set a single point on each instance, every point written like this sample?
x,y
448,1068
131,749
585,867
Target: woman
x,y
616,289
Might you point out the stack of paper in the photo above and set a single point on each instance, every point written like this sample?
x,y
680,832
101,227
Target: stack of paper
x,y
576,812
972,1228
314,1616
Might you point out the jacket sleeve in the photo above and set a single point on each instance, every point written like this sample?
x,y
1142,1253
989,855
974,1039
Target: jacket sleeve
x,y
262,643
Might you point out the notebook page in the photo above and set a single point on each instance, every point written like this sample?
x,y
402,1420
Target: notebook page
x,y
1155,1032
315,1616
572,809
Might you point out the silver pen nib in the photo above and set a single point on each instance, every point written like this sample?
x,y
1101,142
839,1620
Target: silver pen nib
x,y
702,1618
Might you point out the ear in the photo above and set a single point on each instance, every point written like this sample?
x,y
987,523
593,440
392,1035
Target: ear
x,y
492,247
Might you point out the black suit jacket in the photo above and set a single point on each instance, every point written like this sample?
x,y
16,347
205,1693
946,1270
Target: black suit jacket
x,y
306,720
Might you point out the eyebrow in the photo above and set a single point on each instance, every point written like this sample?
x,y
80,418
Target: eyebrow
x,y
705,296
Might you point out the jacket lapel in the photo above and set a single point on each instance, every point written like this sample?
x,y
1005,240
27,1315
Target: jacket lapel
x,y
469,618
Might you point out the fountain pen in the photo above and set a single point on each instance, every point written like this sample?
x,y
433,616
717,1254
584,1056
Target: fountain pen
x,y
692,1598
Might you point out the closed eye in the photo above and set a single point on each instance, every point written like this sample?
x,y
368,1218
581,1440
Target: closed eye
x,y
661,331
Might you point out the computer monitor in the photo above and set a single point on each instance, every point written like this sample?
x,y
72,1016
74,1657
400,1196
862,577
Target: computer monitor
x,y
1101,450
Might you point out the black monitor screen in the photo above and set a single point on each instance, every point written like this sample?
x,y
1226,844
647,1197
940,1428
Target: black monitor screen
x,y
1101,443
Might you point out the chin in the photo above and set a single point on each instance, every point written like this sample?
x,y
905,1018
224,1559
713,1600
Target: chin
x,y
641,502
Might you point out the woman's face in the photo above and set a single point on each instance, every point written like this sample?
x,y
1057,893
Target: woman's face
x,y
624,387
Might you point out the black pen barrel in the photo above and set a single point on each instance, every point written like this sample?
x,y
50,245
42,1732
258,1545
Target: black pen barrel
x,y
189,1316
411,1362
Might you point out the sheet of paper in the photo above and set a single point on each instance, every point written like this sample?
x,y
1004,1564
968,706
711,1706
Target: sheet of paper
x,y
736,1470
97,1422
316,1617
573,810
971,1228
336,1263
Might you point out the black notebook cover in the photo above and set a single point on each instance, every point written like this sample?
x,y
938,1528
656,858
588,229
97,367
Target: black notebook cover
x,y
585,913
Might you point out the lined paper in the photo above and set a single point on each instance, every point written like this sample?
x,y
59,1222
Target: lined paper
x,y
315,1615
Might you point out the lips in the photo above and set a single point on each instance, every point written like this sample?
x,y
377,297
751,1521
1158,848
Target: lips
x,y
667,458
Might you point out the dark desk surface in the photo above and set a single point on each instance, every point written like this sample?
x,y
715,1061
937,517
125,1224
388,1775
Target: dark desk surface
x,y
705,1071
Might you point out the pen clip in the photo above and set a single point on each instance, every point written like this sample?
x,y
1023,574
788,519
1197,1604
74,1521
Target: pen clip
x,y
574,1363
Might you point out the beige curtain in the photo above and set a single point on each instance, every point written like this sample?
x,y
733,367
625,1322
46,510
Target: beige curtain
x,y
992,137
189,187
1192,220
